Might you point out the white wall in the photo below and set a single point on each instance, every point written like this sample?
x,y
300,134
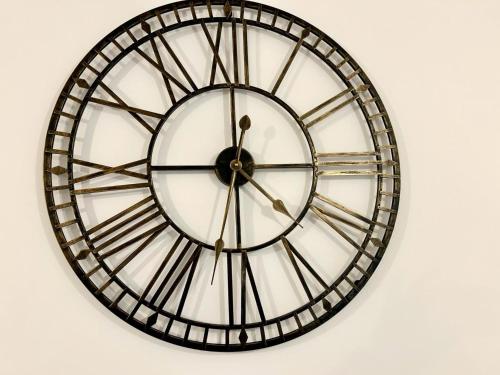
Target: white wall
x,y
431,308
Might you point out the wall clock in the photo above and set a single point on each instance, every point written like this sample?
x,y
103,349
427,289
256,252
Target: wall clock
x,y
221,175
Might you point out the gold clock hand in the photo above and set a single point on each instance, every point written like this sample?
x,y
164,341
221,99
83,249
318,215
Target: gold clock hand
x,y
278,204
245,124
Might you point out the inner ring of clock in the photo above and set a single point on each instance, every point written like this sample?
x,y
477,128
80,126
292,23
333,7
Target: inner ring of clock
x,y
276,214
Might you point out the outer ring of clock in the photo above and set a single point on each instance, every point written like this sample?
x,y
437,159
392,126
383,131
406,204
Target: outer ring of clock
x,y
113,305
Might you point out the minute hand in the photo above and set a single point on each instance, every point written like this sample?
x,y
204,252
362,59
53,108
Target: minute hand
x,y
278,204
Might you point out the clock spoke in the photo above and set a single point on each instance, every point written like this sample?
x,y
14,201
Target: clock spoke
x,y
284,166
174,168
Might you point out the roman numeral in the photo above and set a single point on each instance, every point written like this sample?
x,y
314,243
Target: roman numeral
x,y
215,50
230,301
149,239
246,270
167,77
348,96
327,216
106,189
190,266
160,63
162,70
127,108
134,112
177,61
332,163
296,49
293,255
245,52
156,276
348,211
105,170
140,210
234,30
235,52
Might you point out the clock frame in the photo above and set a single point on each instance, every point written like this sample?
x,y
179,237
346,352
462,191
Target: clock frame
x,y
60,180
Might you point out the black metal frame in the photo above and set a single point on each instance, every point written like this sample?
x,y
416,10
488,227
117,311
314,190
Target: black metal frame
x,y
51,155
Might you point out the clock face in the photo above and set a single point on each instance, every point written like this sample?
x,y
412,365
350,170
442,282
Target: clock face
x,y
221,175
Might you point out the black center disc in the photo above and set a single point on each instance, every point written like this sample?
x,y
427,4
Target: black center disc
x,y
223,166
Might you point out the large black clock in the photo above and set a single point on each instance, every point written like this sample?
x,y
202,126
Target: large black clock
x,y
221,175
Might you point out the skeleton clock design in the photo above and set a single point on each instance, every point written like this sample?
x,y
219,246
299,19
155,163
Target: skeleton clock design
x,y
221,175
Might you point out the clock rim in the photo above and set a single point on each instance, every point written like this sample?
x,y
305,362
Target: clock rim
x,y
48,162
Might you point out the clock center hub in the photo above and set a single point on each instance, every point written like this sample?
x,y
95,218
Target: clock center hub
x,y
226,163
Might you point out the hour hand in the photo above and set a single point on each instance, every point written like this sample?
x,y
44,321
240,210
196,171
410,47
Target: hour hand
x,y
278,204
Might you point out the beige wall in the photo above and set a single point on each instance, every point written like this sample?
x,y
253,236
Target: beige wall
x,y
431,308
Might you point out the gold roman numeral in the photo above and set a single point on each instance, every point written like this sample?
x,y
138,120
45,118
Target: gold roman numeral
x,y
336,103
105,170
362,163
